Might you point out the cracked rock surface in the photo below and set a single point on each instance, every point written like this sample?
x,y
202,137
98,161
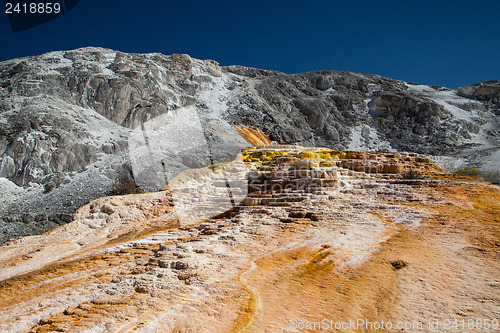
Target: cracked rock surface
x,y
313,238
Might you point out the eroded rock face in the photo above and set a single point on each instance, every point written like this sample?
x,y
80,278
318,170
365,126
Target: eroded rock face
x,y
484,91
66,119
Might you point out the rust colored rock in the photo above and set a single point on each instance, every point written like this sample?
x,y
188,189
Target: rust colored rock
x,y
164,263
395,168
304,164
179,265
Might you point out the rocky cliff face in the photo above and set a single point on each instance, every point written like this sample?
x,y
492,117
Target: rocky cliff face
x,y
68,119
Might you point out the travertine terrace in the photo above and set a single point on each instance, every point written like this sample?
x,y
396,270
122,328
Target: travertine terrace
x,y
310,234
71,123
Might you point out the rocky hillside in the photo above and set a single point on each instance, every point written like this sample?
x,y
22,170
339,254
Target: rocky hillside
x,y
72,122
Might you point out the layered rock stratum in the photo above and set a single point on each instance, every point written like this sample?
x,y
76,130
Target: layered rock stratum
x,y
68,118
312,234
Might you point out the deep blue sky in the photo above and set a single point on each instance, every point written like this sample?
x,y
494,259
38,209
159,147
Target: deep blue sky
x,y
448,43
